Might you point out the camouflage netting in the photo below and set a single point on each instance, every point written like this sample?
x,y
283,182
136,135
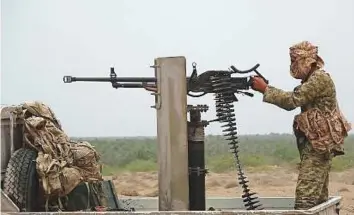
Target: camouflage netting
x,y
61,163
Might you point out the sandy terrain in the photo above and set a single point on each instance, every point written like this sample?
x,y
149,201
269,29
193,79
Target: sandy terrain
x,y
273,182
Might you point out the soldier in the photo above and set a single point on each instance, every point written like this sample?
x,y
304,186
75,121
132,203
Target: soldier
x,y
319,129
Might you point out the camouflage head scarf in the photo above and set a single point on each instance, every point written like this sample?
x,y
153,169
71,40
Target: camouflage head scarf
x,y
303,55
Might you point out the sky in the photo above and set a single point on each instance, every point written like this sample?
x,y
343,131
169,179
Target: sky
x,y
41,41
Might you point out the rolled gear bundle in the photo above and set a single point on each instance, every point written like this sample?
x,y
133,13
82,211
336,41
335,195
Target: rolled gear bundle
x,y
85,158
58,171
43,136
57,179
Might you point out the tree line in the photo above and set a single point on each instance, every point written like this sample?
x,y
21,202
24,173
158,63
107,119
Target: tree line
x,y
139,154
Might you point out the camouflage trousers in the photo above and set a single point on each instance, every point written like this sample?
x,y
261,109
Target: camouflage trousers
x,y
313,178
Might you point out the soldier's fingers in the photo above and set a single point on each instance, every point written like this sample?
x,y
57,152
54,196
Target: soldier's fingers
x,y
257,78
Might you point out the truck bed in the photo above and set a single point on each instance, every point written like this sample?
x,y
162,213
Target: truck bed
x,y
223,206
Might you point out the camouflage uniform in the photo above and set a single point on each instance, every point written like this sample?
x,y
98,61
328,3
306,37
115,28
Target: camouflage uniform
x,y
320,128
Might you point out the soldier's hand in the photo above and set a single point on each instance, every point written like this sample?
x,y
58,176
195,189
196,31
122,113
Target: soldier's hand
x,y
258,84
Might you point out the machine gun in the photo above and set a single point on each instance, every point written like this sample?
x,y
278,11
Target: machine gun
x,y
223,86
195,83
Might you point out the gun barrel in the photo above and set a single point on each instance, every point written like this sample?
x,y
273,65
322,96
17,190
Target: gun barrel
x,y
132,85
70,79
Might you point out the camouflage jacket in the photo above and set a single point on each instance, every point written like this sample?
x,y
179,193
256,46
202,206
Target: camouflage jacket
x,y
320,119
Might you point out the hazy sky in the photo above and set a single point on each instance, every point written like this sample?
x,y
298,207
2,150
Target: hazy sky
x,y
44,40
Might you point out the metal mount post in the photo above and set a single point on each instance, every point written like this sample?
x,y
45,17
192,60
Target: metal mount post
x,y
196,158
171,111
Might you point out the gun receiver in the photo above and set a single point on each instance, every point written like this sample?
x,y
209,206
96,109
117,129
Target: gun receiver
x,y
195,83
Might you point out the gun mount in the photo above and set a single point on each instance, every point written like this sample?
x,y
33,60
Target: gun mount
x,y
218,82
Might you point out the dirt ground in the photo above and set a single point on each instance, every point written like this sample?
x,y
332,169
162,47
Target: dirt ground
x,y
274,181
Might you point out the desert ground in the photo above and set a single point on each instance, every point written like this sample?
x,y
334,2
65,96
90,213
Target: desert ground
x,y
274,181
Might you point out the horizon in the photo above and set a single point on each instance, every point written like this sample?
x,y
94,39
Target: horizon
x,y
211,135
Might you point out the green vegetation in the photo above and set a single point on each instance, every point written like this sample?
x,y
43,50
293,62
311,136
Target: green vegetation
x,y
139,154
